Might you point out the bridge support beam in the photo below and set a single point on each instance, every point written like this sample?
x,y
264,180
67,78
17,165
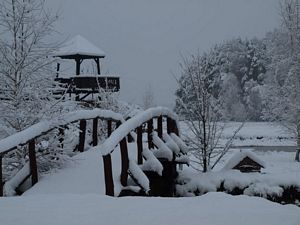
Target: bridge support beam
x,y
82,127
125,161
32,162
108,176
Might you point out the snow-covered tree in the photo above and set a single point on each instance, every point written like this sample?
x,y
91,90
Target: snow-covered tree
x,y
283,86
25,72
198,102
26,77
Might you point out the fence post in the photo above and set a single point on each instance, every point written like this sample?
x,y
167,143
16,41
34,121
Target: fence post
x,y
124,161
82,127
32,162
1,182
149,133
160,126
108,176
95,131
139,142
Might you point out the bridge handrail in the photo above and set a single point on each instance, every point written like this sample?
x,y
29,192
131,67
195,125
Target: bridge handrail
x,y
21,138
118,137
29,136
131,124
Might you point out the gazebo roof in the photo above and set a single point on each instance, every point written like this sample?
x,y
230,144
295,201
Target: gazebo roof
x,y
79,47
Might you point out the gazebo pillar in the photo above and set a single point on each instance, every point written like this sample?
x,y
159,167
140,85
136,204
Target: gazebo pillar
x,y
78,62
98,66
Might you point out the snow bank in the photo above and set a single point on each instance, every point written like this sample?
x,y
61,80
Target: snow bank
x,y
11,185
209,209
251,183
110,143
36,130
263,190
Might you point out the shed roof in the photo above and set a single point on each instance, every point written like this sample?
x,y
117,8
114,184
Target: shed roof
x,y
79,46
239,156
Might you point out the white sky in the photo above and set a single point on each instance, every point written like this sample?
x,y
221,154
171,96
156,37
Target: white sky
x,y
144,39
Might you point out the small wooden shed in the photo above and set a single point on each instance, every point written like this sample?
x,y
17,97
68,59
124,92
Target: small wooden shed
x,y
245,161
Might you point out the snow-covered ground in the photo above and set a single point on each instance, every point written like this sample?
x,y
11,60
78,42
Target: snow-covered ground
x,y
93,209
75,194
254,134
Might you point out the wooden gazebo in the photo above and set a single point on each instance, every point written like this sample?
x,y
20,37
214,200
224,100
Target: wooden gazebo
x,y
79,49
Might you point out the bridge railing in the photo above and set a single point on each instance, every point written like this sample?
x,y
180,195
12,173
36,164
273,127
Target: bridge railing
x,y
118,138
29,136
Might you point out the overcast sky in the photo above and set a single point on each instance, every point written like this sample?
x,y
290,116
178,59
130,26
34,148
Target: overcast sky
x,y
144,39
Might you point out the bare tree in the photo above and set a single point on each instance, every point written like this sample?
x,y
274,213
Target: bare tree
x,y
202,111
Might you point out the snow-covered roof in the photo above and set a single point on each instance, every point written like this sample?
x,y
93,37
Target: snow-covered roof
x,y
239,156
79,46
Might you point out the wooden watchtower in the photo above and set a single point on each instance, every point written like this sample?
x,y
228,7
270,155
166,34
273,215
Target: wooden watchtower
x,y
83,85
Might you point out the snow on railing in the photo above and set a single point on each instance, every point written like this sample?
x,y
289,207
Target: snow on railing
x,y
43,127
118,137
108,146
29,135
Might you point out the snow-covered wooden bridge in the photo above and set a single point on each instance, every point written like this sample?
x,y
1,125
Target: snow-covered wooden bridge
x,y
154,136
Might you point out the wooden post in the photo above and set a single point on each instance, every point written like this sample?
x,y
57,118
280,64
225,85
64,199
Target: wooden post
x,y
109,127
78,62
139,142
149,133
108,176
98,65
32,162
160,126
1,182
124,161
171,126
95,131
82,127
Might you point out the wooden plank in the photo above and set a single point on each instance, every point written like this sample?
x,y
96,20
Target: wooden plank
x,y
108,175
1,181
160,126
139,142
32,162
149,133
82,128
109,127
95,131
124,162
